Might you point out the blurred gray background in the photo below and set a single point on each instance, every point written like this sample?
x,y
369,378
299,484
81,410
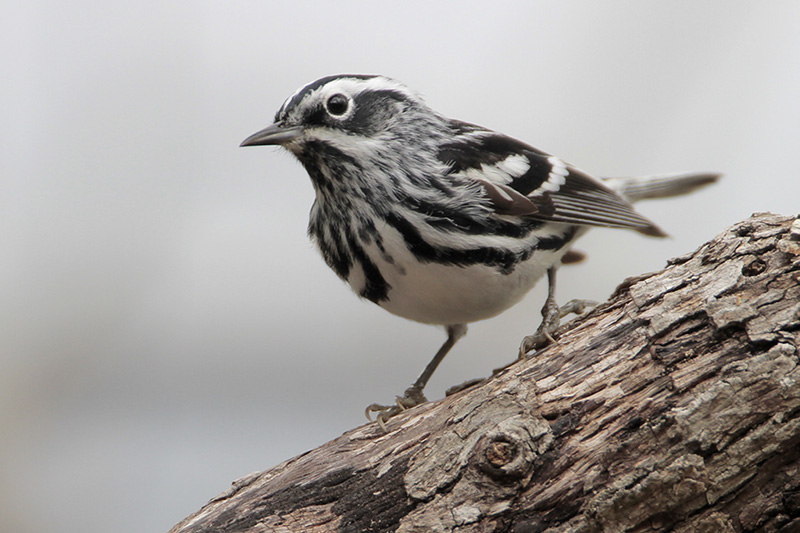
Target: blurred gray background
x,y
166,327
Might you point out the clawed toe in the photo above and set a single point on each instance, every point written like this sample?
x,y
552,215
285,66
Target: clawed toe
x,y
551,320
411,398
537,341
384,413
577,307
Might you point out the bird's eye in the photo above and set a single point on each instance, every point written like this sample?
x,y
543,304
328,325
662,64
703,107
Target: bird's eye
x,y
337,105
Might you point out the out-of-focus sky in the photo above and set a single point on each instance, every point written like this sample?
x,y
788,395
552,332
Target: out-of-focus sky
x,y
165,325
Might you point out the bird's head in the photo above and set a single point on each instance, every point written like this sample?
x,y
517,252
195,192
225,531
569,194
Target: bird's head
x,y
348,113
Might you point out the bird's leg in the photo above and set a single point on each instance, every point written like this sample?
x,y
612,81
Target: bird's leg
x,y
413,395
551,317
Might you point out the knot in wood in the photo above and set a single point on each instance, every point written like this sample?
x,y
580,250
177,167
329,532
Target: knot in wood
x,y
503,457
507,453
500,452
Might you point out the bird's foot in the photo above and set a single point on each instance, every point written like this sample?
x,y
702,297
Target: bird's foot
x,y
412,397
551,320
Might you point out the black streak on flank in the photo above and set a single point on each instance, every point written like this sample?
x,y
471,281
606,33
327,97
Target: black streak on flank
x,y
336,256
451,220
339,262
376,289
504,260
341,255
556,242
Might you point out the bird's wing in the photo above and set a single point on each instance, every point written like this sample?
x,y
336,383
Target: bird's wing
x,y
523,181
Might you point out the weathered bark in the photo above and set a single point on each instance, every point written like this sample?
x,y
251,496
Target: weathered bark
x,y
673,406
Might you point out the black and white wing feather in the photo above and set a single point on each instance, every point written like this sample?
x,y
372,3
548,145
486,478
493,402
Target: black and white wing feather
x,y
523,181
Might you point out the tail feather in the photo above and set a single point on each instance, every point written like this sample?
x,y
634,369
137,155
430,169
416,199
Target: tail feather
x,y
666,186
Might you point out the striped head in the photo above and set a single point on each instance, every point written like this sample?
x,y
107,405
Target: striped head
x,y
342,110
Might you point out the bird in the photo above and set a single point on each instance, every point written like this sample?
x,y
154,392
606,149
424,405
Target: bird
x,y
442,221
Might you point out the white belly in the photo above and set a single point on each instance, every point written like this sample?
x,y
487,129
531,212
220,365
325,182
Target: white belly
x,y
435,293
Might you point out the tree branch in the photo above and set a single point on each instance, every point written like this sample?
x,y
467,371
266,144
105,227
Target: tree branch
x,y
673,406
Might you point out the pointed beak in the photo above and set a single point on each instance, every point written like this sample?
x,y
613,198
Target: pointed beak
x,y
274,134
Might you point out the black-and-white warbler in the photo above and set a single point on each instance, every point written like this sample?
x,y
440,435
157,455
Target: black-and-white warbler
x,y
437,220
